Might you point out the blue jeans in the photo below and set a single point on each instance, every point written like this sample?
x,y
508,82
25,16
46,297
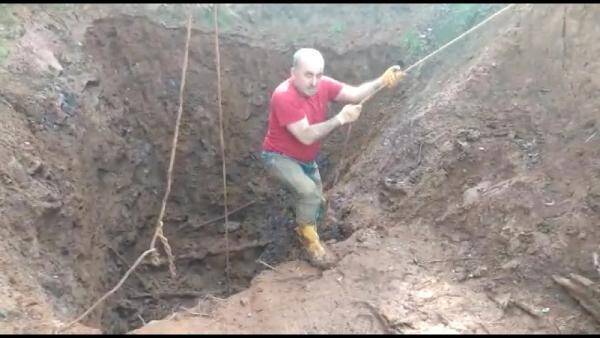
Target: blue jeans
x,y
304,180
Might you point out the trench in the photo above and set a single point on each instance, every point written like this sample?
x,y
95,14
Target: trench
x,y
82,201
125,153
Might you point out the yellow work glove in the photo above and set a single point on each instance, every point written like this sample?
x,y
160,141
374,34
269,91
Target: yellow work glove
x,y
349,113
392,76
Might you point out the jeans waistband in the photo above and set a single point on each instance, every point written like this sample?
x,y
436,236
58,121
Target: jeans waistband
x,y
266,154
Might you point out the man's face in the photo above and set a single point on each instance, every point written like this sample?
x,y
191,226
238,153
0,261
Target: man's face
x,y
307,74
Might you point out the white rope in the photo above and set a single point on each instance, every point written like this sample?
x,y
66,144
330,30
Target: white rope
x,y
363,101
458,37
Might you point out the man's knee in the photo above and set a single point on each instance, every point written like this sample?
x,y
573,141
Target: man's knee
x,y
310,193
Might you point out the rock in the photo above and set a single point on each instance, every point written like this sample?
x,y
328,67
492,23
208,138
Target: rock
x,y
54,286
544,227
67,102
584,290
248,112
593,198
455,237
461,274
50,203
571,230
470,135
460,145
247,87
257,100
439,329
511,265
502,300
513,244
90,83
394,186
480,271
36,167
365,235
244,301
232,226
470,196
16,172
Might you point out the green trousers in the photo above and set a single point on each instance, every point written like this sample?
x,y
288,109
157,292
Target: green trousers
x,y
303,180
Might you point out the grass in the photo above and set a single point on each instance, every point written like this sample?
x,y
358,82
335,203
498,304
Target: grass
x,y
202,16
338,27
57,7
451,21
412,44
4,51
460,18
10,30
225,18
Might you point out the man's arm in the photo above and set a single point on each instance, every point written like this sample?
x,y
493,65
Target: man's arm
x,y
308,134
353,94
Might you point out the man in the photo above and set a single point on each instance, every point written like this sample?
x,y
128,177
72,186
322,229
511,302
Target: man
x,y
297,123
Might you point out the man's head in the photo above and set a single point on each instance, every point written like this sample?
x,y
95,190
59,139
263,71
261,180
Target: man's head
x,y
307,70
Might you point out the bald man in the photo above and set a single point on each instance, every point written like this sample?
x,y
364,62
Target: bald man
x,y
297,123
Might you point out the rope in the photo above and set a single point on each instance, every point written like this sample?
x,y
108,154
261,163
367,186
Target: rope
x,y
159,226
363,101
459,37
222,139
137,262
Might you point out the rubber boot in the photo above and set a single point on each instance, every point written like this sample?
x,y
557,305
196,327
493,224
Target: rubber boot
x,y
317,255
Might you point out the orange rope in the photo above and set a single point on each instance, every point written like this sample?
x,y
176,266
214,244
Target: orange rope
x,y
222,139
159,226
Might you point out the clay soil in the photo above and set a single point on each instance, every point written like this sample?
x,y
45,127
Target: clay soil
x,y
464,189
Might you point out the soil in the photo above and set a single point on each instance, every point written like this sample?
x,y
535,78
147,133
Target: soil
x,y
465,189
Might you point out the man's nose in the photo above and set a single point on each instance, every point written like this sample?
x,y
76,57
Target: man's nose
x,y
313,82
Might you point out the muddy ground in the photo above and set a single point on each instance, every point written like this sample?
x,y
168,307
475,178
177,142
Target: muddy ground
x,y
469,185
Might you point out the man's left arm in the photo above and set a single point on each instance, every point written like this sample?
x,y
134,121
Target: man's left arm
x,y
355,94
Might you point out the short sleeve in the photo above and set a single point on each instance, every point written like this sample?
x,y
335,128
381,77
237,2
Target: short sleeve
x,y
332,87
286,111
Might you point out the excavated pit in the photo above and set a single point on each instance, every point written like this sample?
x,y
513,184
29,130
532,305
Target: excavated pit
x,y
466,191
124,156
92,143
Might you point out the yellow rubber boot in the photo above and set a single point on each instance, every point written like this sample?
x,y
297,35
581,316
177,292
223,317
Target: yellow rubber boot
x,y
310,239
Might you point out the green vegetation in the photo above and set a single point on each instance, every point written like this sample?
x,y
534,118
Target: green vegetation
x,y
338,27
10,30
202,15
225,17
450,21
57,7
459,19
413,44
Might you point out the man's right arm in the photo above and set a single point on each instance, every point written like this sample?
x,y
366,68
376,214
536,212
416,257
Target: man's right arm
x,y
308,134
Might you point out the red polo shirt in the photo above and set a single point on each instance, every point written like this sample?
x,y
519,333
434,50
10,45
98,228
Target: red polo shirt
x,y
288,105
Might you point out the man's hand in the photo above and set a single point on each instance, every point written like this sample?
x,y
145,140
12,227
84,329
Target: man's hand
x,y
392,76
349,113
